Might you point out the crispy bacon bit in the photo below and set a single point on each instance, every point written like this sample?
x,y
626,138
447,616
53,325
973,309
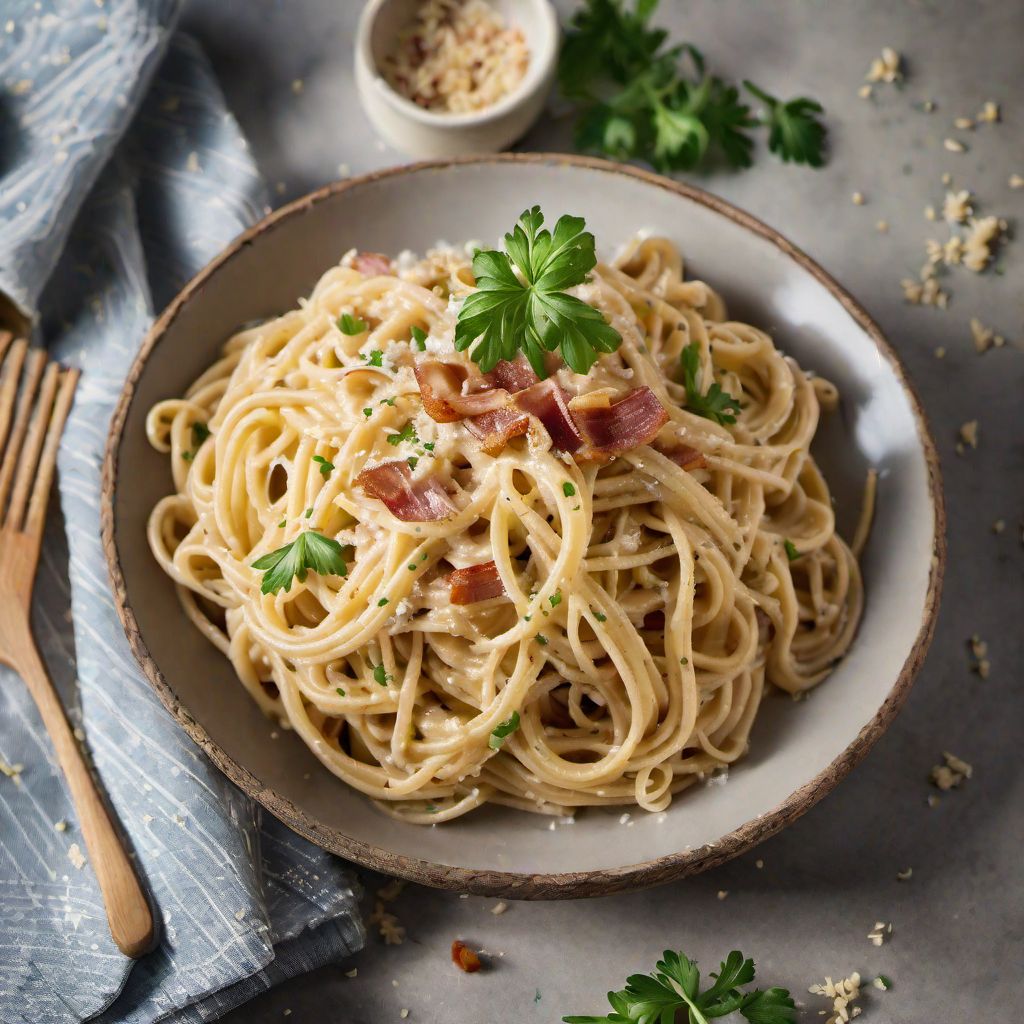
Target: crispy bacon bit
x,y
546,400
630,422
512,375
372,263
412,501
685,457
441,390
475,583
464,958
496,428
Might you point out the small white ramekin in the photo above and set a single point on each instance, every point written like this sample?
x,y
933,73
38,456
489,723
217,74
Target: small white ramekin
x,y
427,133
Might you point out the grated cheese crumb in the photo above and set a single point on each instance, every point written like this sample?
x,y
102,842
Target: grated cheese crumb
x,y
928,106
957,206
1016,181
857,198
905,875
886,68
403,1013
965,124
951,774
864,92
882,227
954,145
880,933
60,826
999,525
989,113
76,856
979,651
844,994
984,337
723,894
759,864
388,926
930,214
969,433
353,973
981,236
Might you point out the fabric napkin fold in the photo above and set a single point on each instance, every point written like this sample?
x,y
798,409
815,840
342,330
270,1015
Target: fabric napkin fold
x,y
121,174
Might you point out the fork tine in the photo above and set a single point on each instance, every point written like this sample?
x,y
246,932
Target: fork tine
x,y
35,520
11,371
32,447
36,362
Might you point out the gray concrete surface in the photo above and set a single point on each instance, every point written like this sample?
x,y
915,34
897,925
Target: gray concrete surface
x,y
958,923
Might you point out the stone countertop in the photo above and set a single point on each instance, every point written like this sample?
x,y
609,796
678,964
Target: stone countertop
x,y
958,923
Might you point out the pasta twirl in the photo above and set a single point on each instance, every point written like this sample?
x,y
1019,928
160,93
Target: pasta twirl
x,y
636,606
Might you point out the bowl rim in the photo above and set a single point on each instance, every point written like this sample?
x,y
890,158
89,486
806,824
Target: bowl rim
x,y
511,884
537,77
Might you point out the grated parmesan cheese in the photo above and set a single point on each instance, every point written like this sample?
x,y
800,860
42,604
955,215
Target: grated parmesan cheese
x,y
844,994
458,56
950,774
954,145
969,433
984,337
886,68
957,206
989,113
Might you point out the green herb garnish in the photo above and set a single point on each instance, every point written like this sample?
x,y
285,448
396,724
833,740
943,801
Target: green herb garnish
x,y
568,490
407,433
503,731
200,432
419,337
308,512
555,599
412,460
428,446
674,987
380,675
717,404
375,358
310,551
600,616
383,601
326,467
535,314
641,99
349,325
791,552
367,413
339,691
542,640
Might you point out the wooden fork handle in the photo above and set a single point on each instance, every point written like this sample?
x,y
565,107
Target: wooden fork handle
x,y
128,913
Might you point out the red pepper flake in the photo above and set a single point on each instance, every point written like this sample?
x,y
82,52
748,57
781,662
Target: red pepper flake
x,y
464,958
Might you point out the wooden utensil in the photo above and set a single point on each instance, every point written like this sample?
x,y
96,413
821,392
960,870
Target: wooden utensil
x,y
35,397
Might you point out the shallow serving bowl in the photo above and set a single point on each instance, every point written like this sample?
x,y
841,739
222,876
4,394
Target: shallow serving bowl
x,y
799,751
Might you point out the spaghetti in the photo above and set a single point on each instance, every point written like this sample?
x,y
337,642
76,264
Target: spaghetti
x,y
517,624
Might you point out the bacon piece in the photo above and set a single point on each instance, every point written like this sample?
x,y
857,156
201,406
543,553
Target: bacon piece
x,y
372,263
685,457
546,401
629,423
497,427
512,375
464,958
412,501
442,395
475,583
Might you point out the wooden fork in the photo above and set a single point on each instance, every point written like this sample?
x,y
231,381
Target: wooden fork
x,y
30,427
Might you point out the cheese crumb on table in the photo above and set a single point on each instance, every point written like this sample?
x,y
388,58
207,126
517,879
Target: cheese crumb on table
x,y
956,207
954,145
880,933
989,113
886,68
844,994
984,337
950,774
969,433
857,198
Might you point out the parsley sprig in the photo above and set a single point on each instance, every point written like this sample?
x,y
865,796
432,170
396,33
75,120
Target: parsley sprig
x,y
640,100
520,302
716,405
675,986
309,552
502,731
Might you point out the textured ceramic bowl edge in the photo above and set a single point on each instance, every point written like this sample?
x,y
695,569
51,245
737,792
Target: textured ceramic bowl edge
x,y
567,884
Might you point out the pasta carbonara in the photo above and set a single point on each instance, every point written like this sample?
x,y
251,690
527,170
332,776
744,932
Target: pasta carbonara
x,y
545,594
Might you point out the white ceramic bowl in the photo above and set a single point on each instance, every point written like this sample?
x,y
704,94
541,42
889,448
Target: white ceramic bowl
x,y
799,750
428,133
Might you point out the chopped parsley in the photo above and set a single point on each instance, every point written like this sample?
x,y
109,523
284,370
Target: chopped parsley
x,y
375,358
411,567
383,601
542,640
428,446
281,525
503,731
380,675
326,467
412,460
387,401
600,616
310,551
555,599
717,405
339,691
568,489
407,433
349,325
419,338
367,412
308,512
200,432
791,552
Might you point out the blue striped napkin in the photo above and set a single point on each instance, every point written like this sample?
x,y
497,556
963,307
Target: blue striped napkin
x,y
121,174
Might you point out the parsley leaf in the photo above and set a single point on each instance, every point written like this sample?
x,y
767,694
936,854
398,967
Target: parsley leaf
x,y
350,325
375,358
381,675
675,986
642,99
791,552
717,405
326,467
310,551
794,131
568,489
530,310
407,433
419,338
503,731
200,432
